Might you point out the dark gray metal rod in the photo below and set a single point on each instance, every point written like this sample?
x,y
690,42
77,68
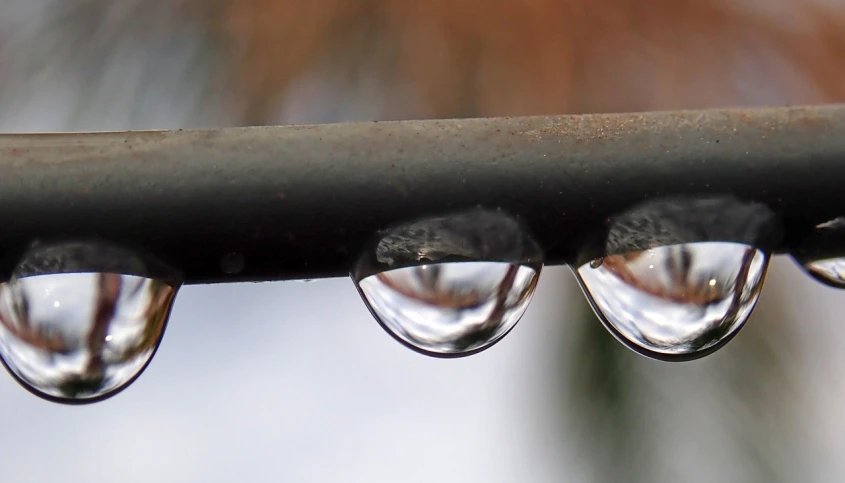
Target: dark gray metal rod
x,y
301,201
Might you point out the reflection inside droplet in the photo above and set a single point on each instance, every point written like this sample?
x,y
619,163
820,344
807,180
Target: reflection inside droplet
x,y
450,308
679,301
81,335
453,285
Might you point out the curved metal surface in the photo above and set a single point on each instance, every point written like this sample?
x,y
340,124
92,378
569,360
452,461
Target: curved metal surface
x,y
302,201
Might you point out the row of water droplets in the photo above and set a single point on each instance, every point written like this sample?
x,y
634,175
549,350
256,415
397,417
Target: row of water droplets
x,y
671,279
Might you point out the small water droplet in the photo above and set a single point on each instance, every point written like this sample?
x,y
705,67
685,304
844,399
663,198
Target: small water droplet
x,y
830,271
79,322
819,253
676,302
450,286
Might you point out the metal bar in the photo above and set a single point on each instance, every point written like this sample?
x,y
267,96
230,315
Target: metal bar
x,y
301,201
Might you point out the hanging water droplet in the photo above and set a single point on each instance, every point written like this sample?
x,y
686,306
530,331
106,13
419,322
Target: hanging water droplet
x,y
829,271
677,300
450,286
451,308
818,253
80,321
681,276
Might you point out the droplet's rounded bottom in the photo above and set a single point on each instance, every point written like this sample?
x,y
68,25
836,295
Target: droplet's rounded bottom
x,y
81,337
677,302
450,309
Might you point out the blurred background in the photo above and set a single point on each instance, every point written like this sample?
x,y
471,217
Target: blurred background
x,y
295,382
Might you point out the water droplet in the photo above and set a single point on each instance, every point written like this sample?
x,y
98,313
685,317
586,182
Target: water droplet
x,y
830,271
451,308
819,253
79,322
450,286
680,277
694,298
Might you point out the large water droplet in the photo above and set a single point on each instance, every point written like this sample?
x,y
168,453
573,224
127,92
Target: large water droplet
x,y
79,322
451,308
679,300
678,278
450,286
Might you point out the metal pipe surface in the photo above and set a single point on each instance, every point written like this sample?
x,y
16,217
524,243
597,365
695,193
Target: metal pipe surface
x,y
301,201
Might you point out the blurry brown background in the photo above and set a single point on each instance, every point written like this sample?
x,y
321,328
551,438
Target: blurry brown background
x,y
457,58
296,382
